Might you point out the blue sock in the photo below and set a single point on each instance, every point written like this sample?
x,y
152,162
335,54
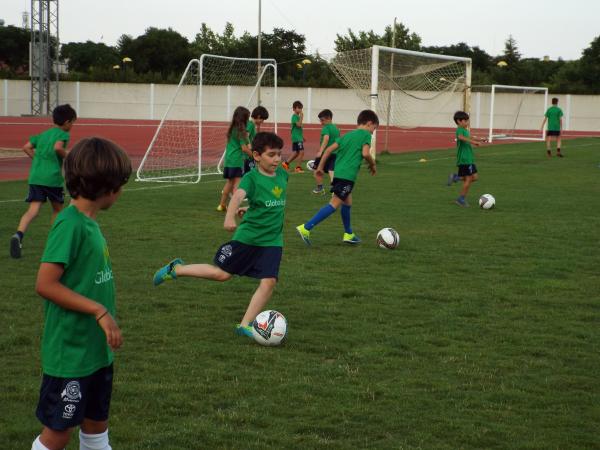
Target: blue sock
x,y
461,198
346,218
320,216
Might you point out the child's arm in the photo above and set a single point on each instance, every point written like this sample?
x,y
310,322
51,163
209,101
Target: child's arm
x,y
234,204
61,149
48,285
246,149
299,123
471,140
544,122
29,149
323,145
333,147
366,153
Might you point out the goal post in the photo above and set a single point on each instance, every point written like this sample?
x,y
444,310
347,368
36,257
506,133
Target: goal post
x,y
515,112
191,138
407,89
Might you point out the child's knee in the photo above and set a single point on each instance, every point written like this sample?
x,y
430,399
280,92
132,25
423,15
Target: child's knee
x,y
269,283
221,275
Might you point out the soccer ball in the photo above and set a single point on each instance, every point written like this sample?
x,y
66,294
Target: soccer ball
x,y
310,165
388,238
269,328
487,201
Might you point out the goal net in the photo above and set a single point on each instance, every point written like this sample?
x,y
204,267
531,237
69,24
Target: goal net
x,y
515,112
407,89
191,138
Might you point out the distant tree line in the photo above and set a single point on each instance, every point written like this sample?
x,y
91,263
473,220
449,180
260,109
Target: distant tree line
x,y
161,55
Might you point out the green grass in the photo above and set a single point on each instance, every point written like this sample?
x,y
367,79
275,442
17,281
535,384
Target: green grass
x,y
480,331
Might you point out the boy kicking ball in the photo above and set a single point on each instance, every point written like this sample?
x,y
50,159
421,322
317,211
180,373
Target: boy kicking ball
x,y
257,245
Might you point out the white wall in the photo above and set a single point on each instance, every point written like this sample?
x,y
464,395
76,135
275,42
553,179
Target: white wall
x,y
146,101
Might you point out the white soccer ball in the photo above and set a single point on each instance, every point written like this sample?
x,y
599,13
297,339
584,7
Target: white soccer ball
x,y
388,238
269,328
487,201
310,165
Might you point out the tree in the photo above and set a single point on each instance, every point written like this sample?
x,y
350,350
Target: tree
x,y
590,66
366,39
159,50
511,52
14,49
83,56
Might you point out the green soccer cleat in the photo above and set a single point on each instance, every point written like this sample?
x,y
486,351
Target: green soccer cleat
x,y
167,272
351,238
241,330
304,234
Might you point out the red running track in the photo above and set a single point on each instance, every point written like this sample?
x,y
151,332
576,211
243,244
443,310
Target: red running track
x,y
135,135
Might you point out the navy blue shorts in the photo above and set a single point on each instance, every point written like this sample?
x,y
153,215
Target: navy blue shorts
x,y
237,258
39,193
65,402
342,188
298,146
329,165
232,172
466,170
553,133
249,164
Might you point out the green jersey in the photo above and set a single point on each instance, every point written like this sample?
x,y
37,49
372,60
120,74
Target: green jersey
x,y
464,151
251,129
296,129
73,344
349,153
233,152
46,167
262,224
554,113
329,130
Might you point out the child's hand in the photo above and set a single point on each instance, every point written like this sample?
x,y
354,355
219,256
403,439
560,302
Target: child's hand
x,y
230,223
114,338
242,211
373,169
319,172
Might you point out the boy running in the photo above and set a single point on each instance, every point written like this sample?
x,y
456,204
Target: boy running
x,y
297,137
329,133
351,149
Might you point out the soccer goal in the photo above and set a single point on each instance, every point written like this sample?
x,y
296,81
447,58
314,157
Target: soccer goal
x,y
516,112
407,89
190,140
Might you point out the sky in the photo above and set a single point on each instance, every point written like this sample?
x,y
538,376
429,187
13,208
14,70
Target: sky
x,y
555,28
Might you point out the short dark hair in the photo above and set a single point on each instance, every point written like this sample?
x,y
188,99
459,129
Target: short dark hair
x,y
460,115
366,115
297,104
260,112
555,101
266,139
325,114
95,167
62,113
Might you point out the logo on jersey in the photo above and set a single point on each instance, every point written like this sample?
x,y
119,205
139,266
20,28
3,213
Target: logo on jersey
x,y
277,191
72,392
103,276
226,252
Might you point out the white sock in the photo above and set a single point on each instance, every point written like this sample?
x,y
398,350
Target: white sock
x,y
94,441
37,445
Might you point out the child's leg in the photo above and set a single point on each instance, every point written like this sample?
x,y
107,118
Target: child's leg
x,y
345,213
558,142
294,156
56,208
30,214
93,435
227,189
324,212
549,145
300,158
206,271
52,439
259,300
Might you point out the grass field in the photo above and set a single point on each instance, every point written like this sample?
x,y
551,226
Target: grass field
x,y
480,331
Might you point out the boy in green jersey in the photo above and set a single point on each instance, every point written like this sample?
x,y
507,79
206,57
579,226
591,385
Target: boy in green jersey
x,y
467,171
554,117
258,116
76,280
297,137
256,248
47,151
329,133
237,146
351,149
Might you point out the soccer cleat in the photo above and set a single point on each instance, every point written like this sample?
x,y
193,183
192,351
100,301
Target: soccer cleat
x,y
15,246
549,153
298,169
351,238
450,179
243,330
166,272
285,165
222,208
461,202
304,234
319,191
560,155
